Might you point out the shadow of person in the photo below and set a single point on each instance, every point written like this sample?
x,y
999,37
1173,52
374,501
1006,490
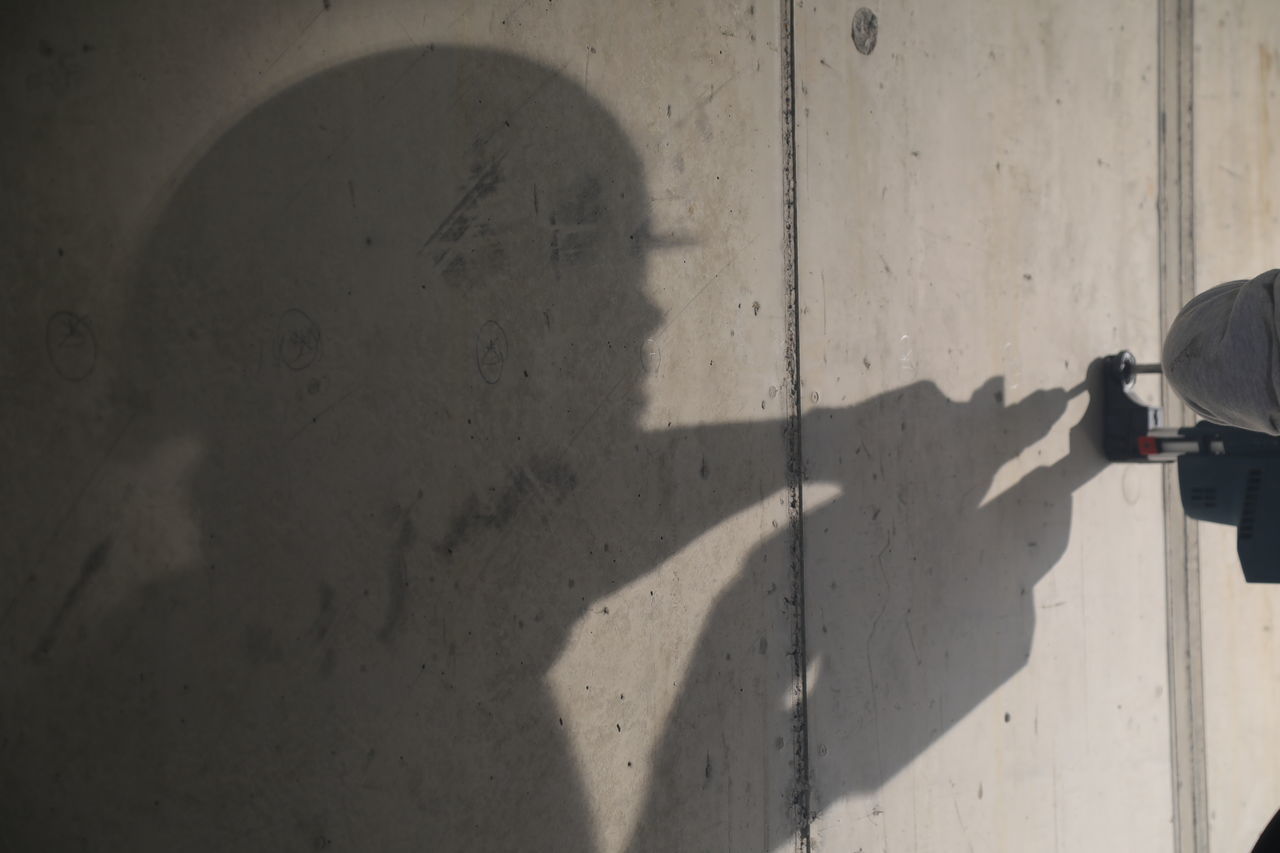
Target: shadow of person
x,y
381,357
382,360
918,591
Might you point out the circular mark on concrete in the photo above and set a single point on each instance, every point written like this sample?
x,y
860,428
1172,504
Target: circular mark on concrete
x,y
865,30
298,343
491,351
73,352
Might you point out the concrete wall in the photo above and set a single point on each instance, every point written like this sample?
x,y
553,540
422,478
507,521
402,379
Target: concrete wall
x,y
978,222
400,427
1237,117
391,390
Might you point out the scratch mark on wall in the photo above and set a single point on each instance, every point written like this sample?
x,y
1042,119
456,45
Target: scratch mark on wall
x,y
91,565
871,670
486,182
684,117
955,802
398,576
57,528
292,44
911,636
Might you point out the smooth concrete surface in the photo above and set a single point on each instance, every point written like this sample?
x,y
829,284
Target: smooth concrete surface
x,y
986,621
1237,115
394,425
390,390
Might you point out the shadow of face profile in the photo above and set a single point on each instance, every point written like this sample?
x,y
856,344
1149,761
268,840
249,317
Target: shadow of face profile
x,y
367,329
453,228
394,293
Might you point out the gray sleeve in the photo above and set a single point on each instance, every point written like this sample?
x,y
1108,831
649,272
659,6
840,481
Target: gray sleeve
x,y
1222,357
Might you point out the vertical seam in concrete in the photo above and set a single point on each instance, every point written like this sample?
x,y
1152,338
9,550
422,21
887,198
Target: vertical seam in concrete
x,y
799,798
1182,545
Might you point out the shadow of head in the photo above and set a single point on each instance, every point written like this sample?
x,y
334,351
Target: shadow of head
x,y
403,284
423,227
379,305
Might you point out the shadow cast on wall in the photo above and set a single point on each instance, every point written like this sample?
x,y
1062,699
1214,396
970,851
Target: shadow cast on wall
x,y
388,333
